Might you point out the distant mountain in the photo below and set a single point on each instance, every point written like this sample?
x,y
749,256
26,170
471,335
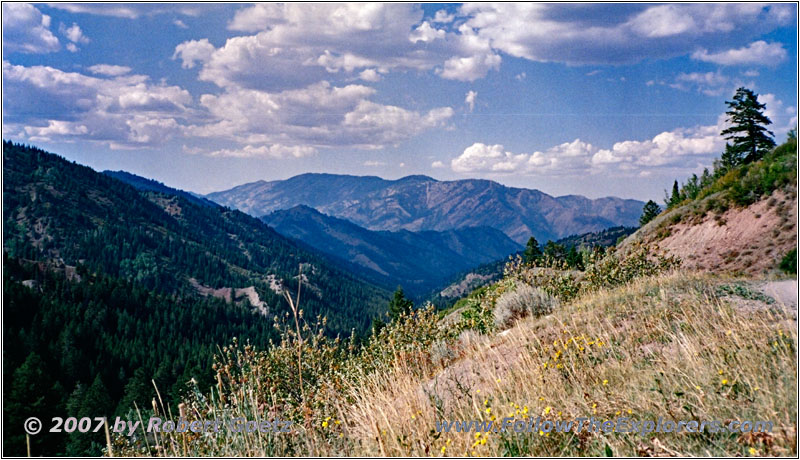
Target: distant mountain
x,y
419,261
421,203
145,184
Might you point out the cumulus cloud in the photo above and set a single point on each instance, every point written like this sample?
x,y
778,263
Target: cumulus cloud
x,y
756,53
437,164
294,45
480,157
470,99
319,115
588,34
680,150
27,30
126,111
193,51
374,163
426,33
370,75
469,68
74,33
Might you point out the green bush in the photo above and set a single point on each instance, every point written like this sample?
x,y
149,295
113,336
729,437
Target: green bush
x,y
789,262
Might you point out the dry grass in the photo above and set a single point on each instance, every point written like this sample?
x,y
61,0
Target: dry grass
x,y
652,349
664,346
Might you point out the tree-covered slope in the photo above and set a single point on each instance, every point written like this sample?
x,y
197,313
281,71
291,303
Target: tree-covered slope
x,y
100,294
69,215
419,261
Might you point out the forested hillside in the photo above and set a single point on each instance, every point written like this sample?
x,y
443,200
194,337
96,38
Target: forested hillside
x,y
101,291
419,261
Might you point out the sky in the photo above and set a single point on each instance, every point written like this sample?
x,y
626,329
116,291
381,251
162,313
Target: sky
x,y
589,99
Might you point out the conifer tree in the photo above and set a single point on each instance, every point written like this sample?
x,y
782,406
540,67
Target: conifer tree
x,y
749,138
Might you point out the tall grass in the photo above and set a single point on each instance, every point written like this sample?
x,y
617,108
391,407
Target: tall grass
x,y
664,345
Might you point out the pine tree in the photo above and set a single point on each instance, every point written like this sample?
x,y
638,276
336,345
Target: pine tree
x,y
750,139
532,251
649,212
675,197
399,304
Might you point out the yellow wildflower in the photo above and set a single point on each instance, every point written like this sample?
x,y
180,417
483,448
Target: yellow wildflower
x,y
605,382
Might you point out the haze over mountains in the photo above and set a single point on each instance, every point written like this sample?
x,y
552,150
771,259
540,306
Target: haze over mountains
x,y
419,261
418,203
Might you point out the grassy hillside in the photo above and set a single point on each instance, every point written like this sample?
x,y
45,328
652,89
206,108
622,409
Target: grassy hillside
x,y
634,339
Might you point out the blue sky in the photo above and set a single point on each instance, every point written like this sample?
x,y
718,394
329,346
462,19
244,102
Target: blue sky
x,y
591,99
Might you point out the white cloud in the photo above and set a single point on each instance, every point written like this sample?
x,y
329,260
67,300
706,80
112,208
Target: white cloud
x,y
680,150
294,45
783,118
587,34
193,51
469,68
480,157
268,151
132,10
74,33
443,17
671,148
72,48
708,83
123,112
470,99
319,115
520,76
426,33
110,70
437,164
180,24
756,53
27,30
370,75
374,164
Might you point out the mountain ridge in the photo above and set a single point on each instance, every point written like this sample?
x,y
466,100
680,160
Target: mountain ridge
x,y
419,261
422,203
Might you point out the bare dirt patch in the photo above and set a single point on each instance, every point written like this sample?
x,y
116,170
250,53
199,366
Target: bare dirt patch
x,y
748,240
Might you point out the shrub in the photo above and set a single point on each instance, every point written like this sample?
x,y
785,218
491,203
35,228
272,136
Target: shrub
x,y
523,301
789,262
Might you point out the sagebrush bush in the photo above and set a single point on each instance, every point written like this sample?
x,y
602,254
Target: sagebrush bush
x,y
522,302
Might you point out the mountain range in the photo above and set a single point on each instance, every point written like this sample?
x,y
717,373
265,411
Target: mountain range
x,y
419,261
419,203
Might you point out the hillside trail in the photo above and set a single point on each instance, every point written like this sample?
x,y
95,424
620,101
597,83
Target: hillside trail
x,y
784,292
